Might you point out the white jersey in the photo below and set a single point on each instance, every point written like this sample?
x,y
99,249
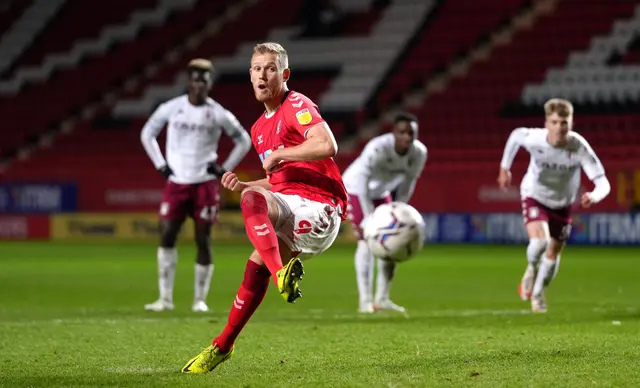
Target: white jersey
x,y
380,169
553,176
193,133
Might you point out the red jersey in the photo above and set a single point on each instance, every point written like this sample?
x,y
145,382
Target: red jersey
x,y
319,180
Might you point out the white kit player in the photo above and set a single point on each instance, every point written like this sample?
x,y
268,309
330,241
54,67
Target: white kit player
x,y
194,125
548,190
389,163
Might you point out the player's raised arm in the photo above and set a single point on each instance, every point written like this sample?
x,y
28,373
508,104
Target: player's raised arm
x,y
515,141
594,170
319,144
150,132
240,137
405,190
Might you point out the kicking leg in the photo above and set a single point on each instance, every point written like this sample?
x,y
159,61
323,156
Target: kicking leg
x,y
167,261
260,211
203,267
251,293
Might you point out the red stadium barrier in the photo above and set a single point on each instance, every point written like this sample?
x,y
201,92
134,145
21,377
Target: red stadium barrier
x,y
24,227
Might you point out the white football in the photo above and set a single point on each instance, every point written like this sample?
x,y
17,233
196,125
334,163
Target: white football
x,y
394,231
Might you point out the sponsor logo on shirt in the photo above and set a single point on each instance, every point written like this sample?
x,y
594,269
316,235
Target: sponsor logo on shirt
x,y
304,116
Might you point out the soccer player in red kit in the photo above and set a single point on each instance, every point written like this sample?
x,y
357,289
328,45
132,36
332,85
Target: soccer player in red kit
x,y
292,214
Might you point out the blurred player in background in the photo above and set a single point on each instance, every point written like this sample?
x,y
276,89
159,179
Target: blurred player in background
x,y
548,190
194,125
389,163
295,212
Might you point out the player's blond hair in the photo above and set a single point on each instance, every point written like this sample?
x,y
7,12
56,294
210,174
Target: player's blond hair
x,y
273,48
200,64
564,108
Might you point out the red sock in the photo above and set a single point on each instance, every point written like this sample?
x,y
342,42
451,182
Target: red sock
x,y
252,291
260,231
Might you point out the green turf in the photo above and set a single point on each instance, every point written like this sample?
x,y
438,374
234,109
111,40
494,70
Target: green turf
x,y
71,315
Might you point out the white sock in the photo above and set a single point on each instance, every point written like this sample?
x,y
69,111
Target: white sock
x,y
386,271
167,260
202,281
535,249
364,272
545,275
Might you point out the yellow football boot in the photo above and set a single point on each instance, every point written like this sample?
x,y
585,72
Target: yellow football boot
x,y
207,360
289,278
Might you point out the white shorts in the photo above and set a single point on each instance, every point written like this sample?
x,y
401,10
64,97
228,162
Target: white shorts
x,y
306,226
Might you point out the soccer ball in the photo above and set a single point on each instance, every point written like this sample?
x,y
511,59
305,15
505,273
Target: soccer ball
x,y
394,231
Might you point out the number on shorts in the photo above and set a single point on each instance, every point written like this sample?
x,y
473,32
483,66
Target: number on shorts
x,y
534,212
208,213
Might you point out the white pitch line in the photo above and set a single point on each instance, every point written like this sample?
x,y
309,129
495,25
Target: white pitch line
x,y
315,314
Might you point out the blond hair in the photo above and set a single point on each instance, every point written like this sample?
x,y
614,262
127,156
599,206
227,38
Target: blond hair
x,y
273,48
562,107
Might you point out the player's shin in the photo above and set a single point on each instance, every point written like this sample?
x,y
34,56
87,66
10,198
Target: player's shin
x,y
202,281
167,260
386,272
250,295
546,273
263,236
535,249
364,275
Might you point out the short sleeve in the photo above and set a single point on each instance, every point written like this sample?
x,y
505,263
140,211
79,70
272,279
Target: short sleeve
x,y
302,113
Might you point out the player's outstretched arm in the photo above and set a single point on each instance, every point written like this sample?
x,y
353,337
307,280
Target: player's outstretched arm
x,y
319,144
594,170
514,143
149,134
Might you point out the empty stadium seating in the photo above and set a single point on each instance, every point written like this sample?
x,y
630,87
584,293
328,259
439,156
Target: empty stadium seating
x,y
463,126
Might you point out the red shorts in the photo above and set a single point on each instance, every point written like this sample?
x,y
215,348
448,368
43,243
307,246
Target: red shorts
x,y
199,201
355,213
559,220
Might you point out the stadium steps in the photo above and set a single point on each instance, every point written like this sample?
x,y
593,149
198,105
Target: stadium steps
x,y
77,93
613,83
59,38
23,31
10,13
441,41
356,79
81,49
95,143
467,112
180,32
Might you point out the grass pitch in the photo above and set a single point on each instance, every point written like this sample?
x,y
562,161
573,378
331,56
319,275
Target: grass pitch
x,y
71,315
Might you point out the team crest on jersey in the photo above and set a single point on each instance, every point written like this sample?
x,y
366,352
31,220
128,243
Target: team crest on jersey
x,y
304,116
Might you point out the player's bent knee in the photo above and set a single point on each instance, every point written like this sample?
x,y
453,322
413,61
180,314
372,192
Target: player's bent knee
x,y
248,200
554,249
256,258
539,245
254,189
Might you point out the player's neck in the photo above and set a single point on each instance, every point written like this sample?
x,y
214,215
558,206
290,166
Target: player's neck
x,y
556,143
197,101
273,104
